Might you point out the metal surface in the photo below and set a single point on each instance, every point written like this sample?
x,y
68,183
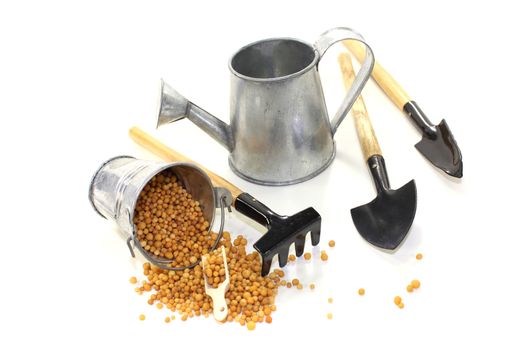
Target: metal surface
x,y
385,221
438,144
174,106
326,40
117,184
283,231
280,132
218,295
223,197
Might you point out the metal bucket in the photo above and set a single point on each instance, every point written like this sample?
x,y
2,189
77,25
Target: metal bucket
x,y
117,184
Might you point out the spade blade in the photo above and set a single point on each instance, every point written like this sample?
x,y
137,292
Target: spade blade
x,y
438,144
441,149
385,221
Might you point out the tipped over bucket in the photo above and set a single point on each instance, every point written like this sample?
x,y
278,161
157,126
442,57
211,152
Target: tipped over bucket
x,y
116,187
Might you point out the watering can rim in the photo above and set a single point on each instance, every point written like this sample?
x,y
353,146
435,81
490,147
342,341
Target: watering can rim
x,y
314,62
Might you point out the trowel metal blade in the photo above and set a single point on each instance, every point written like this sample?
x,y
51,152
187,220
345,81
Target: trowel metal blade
x,y
385,221
442,150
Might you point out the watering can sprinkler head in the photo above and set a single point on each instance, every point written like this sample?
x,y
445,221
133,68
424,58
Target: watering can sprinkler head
x,y
173,106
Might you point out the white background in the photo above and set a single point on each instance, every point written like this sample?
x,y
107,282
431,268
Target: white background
x,y
74,77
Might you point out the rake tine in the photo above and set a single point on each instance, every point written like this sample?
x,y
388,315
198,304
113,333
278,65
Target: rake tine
x,y
315,232
266,265
299,245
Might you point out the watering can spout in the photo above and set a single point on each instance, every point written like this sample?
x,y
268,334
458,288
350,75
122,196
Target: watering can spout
x,y
174,106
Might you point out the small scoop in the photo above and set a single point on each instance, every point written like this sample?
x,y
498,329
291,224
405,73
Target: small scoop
x,y
217,295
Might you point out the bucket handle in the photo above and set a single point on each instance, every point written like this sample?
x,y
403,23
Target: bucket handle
x,y
322,44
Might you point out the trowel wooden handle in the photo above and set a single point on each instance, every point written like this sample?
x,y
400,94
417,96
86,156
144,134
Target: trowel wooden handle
x,y
365,131
381,76
156,147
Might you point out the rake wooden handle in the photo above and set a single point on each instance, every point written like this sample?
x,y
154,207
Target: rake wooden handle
x,y
391,88
158,148
365,130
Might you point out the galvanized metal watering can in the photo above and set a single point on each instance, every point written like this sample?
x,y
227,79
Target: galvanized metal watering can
x,y
280,132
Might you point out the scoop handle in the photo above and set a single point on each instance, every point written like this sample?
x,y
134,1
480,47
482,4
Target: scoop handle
x,y
220,308
365,130
163,151
391,87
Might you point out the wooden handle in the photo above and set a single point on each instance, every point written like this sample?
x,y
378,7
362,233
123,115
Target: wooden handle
x,y
156,147
381,76
365,131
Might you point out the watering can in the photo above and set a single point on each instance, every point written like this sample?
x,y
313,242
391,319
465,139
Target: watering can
x,y
279,132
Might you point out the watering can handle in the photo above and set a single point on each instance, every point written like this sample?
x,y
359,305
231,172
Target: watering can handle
x,y
322,44
155,146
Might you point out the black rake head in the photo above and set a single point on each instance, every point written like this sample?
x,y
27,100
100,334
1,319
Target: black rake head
x,y
283,230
